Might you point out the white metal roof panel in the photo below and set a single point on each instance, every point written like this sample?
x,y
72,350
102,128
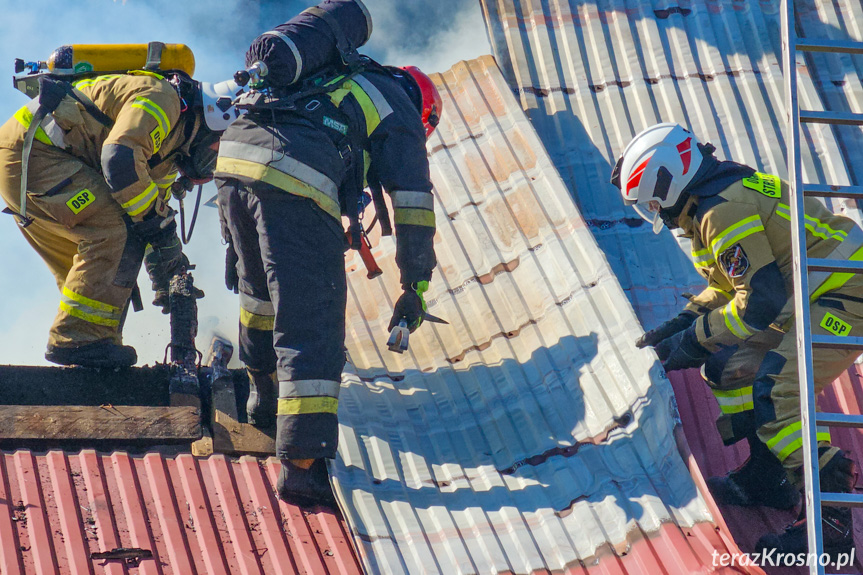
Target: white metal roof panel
x,y
529,434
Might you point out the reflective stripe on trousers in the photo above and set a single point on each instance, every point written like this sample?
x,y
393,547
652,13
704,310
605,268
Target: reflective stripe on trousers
x,y
256,313
735,400
89,310
308,396
790,439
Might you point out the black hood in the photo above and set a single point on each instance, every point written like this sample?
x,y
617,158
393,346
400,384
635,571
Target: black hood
x,y
715,175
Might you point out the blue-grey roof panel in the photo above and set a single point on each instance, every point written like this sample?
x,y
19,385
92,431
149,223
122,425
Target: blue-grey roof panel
x,y
592,74
529,434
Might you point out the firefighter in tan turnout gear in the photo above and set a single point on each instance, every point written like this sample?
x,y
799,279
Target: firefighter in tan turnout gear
x,y
100,173
740,329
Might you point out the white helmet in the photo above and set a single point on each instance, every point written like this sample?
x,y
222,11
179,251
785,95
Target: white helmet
x,y
656,166
217,100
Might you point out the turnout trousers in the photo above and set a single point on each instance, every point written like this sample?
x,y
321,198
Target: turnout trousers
x,y
756,383
82,235
293,294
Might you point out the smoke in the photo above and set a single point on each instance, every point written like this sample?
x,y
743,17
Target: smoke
x,y
431,34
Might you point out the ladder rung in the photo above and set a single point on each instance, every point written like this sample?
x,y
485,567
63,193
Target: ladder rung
x,y
836,342
834,46
842,118
828,265
827,191
838,419
842,499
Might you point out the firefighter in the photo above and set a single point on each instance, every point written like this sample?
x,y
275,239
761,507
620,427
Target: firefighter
x,y
285,179
740,329
100,173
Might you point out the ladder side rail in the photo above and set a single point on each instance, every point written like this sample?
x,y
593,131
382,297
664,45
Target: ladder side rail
x,y
801,288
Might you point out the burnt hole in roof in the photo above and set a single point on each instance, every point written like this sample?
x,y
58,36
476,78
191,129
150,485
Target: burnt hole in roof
x,y
624,419
664,13
600,87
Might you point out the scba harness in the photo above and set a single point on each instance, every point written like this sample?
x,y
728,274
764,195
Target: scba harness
x,y
328,101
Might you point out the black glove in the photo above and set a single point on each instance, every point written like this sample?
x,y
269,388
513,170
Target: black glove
x,y
410,306
681,351
163,258
232,278
161,267
679,323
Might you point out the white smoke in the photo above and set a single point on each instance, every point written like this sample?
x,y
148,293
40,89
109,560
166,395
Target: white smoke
x,y
430,34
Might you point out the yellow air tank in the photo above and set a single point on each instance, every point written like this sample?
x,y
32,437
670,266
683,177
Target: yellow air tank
x,y
80,58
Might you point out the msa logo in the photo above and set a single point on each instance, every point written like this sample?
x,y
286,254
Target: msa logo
x,y
337,126
158,137
80,201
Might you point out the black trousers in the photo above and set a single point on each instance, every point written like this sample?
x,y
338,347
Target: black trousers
x,y
292,308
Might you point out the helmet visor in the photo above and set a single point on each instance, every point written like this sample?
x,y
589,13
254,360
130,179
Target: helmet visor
x,y
649,212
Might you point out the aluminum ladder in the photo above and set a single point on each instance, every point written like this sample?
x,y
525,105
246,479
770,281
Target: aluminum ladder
x,y
802,265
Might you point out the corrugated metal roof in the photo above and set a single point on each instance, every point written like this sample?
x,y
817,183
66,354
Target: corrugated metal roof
x,y
592,74
196,516
529,435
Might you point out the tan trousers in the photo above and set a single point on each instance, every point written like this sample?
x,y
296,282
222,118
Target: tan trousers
x,y
757,383
80,232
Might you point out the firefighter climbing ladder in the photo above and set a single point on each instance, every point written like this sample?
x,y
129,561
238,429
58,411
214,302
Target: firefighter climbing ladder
x,y
791,45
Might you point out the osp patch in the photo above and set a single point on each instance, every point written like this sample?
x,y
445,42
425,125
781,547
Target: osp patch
x,y
734,261
158,136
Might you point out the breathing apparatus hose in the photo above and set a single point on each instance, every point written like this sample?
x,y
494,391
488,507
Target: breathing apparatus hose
x,y
188,237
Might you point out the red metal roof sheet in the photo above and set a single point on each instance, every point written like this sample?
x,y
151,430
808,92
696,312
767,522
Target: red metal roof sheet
x,y
698,410
197,516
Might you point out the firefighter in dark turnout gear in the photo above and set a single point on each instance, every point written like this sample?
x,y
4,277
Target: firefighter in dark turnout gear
x,y
285,179
100,173
740,329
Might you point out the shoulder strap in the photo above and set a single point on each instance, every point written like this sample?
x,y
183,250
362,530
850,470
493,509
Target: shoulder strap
x,y
51,93
91,108
154,55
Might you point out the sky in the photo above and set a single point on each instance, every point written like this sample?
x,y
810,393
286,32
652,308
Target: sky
x,y
433,35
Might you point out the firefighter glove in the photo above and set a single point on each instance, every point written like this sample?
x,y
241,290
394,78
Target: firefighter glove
x,y
232,278
681,351
679,323
411,306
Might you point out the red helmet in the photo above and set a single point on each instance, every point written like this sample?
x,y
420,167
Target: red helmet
x,y
432,105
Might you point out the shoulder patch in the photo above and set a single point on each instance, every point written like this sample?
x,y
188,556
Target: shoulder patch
x,y
734,261
767,184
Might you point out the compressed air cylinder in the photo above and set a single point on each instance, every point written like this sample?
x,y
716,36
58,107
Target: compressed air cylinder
x,y
306,43
80,58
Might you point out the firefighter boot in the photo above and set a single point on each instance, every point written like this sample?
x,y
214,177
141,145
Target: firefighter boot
x,y
761,480
837,476
305,486
101,353
263,394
